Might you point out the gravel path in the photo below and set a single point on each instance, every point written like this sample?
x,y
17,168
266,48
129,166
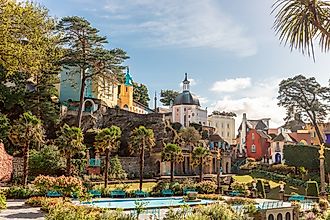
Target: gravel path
x,y
16,210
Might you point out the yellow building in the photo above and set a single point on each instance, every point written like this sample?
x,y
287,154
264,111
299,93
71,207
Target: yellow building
x,y
323,128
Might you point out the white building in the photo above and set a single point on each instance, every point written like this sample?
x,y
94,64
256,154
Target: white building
x,y
186,108
224,125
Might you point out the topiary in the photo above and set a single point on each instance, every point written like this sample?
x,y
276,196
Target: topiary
x,y
3,201
312,188
261,189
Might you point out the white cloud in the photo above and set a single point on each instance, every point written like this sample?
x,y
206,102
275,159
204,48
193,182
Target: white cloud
x,y
193,82
231,85
202,100
185,23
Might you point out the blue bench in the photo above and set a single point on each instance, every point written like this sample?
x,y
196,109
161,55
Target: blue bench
x,y
296,198
140,193
117,193
53,194
95,193
188,190
235,193
167,192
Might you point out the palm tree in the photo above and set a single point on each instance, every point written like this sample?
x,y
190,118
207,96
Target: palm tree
x,y
141,139
190,136
26,130
200,157
70,142
106,141
172,153
300,22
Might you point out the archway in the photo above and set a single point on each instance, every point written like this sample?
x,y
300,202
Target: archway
x,y
278,158
126,107
88,105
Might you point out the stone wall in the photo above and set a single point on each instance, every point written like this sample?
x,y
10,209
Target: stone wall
x,y
6,165
132,166
17,167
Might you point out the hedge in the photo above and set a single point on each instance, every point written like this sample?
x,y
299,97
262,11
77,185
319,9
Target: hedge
x,y
280,177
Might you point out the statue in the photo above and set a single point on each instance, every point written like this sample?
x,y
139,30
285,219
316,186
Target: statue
x,y
128,78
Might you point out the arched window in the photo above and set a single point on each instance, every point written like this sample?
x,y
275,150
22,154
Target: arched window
x,y
252,136
288,216
279,216
270,217
253,148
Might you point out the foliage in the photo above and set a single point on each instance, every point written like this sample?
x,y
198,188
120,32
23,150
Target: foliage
x,y
47,161
190,136
299,23
107,141
240,201
168,97
19,192
176,187
173,154
3,201
4,127
116,170
223,113
239,187
261,189
28,42
282,169
200,157
305,97
206,187
64,185
141,94
86,55
25,131
141,139
210,196
312,188
40,201
70,142
279,177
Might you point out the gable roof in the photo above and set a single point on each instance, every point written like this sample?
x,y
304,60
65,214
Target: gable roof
x,y
215,137
255,124
284,137
263,134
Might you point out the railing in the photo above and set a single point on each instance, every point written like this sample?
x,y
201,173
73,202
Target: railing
x,y
94,162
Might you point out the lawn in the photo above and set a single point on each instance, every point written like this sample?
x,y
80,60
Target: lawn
x,y
133,186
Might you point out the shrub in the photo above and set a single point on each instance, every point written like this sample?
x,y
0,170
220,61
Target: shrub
x,y
240,187
44,201
312,188
282,169
3,202
20,192
240,201
47,161
206,187
323,204
116,170
210,196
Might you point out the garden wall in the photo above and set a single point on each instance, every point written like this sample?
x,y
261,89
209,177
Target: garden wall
x,y
6,167
132,167
17,167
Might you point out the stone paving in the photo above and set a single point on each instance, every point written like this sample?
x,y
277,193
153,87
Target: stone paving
x,y
16,210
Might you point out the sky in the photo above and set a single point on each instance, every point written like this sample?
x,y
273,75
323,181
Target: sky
x,y
232,56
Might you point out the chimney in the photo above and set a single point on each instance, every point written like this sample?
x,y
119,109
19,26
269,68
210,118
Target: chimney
x,y
243,135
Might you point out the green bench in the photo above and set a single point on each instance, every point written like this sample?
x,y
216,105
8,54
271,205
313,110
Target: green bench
x,y
167,192
53,194
117,193
296,198
188,190
95,193
235,193
140,193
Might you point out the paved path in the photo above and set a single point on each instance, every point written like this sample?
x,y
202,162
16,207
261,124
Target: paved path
x,y
16,210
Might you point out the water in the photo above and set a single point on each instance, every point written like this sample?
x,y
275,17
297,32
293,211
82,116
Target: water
x,y
148,203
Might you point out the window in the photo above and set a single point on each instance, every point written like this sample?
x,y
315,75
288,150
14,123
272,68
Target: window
x,y
177,110
270,217
277,149
279,216
288,216
253,148
193,114
221,133
252,136
228,134
228,126
221,125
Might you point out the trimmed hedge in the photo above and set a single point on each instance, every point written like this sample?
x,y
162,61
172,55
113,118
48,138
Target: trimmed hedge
x,y
312,188
280,177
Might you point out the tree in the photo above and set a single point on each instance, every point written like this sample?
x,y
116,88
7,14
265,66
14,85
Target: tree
x,y
25,131
200,157
4,127
28,43
141,139
173,154
168,97
300,22
141,94
190,136
116,170
85,51
223,113
107,141
305,97
70,142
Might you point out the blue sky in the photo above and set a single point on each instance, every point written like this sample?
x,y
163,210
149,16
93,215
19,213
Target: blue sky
x,y
228,48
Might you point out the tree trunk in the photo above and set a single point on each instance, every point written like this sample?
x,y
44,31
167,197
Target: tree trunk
x,y
172,171
141,166
68,164
218,175
82,97
201,171
25,165
107,152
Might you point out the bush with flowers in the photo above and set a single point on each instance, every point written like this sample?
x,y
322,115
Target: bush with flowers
x,y
64,185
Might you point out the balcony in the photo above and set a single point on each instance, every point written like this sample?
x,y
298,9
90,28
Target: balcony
x,y
94,163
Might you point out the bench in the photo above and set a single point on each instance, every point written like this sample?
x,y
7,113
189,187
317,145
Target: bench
x,y
296,198
188,190
167,192
95,193
53,194
140,193
117,193
235,193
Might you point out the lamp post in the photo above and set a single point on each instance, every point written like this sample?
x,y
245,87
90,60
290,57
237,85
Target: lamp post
x,y
219,170
322,174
